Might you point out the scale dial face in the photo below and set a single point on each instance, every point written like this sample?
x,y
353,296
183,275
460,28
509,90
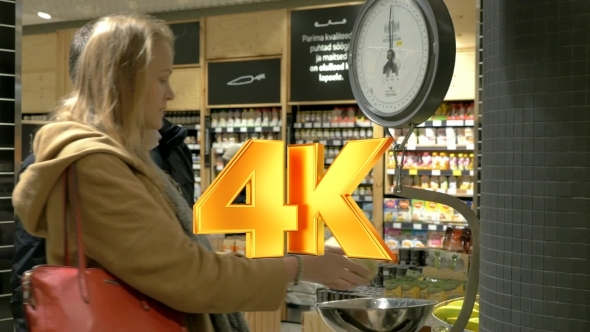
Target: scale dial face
x,y
392,55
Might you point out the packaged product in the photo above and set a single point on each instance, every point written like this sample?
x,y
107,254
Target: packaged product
x,y
435,239
390,210
436,291
445,213
431,212
393,238
410,288
407,240
229,245
419,238
418,210
454,240
404,210
392,288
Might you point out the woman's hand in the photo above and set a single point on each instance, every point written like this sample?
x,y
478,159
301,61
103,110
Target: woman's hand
x,y
335,271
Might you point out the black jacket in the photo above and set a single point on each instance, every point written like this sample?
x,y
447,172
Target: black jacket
x,y
172,155
175,158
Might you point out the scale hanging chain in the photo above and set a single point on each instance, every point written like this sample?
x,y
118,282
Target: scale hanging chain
x,y
397,183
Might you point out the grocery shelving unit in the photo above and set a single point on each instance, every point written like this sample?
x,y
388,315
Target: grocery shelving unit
x,y
440,156
10,142
233,127
333,126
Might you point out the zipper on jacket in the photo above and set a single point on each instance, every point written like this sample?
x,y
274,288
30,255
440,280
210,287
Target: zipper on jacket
x,y
26,282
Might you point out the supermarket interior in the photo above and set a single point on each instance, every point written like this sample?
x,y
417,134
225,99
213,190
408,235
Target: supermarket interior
x,y
509,140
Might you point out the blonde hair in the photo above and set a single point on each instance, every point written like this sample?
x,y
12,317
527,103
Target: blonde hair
x,y
110,80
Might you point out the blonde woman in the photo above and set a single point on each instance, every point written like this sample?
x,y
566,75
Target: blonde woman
x,y
131,215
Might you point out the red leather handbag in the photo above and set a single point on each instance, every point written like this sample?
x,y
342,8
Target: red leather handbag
x,y
80,299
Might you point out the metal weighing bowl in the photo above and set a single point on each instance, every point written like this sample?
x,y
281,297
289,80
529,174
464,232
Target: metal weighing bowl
x,y
446,326
376,314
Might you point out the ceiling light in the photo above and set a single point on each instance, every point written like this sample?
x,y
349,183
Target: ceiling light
x,y
44,15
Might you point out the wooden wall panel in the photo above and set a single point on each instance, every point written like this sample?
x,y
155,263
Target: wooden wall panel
x,y
246,35
38,91
463,83
39,73
187,84
64,83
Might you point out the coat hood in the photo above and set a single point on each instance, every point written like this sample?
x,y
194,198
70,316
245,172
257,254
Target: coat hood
x,y
56,146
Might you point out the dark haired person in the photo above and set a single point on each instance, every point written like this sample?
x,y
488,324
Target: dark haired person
x,y
172,155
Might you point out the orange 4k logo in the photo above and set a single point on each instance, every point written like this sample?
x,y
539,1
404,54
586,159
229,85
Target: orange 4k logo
x,y
312,199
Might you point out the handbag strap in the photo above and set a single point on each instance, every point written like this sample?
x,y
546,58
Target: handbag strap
x,y
71,195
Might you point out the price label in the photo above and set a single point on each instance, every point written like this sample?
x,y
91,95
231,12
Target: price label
x,y
469,122
356,198
432,227
471,173
230,130
337,142
299,142
326,124
417,226
452,191
297,125
258,129
413,172
397,225
470,146
308,125
454,123
323,142
243,129
329,160
457,173
276,129
217,130
369,198
469,192
451,145
317,125
219,151
411,145
435,172
436,123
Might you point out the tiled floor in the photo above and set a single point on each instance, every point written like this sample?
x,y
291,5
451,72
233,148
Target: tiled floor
x,y
290,327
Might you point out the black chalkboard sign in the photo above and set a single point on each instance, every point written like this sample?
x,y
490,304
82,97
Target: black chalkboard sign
x,y
320,41
244,82
187,45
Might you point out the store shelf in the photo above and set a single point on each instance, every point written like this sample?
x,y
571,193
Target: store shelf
x,y
452,192
424,226
330,142
362,198
450,147
328,125
190,126
447,123
274,129
433,172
